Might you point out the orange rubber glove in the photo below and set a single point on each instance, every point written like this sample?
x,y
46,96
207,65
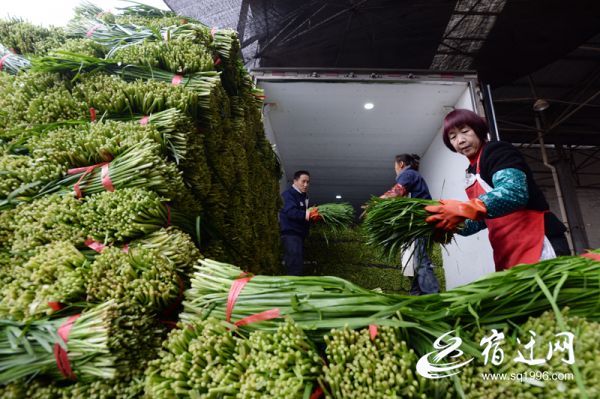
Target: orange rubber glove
x,y
313,215
450,213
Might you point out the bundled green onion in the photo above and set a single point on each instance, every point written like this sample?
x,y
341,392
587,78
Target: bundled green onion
x,y
174,244
394,224
585,371
205,360
362,366
141,278
22,37
138,166
51,218
317,304
82,46
65,62
54,275
28,349
115,36
123,214
336,216
12,63
37,98
283,364
123,387
109,93
181,55
525,290
91,143
21,175
176,129
196,361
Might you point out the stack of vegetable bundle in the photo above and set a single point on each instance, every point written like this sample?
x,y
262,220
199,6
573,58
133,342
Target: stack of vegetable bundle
x,y
109,151
393,224
372,365
549,330
345,254
80,342
24,38
206,359
318,304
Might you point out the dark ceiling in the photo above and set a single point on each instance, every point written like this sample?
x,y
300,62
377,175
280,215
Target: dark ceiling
x,y
525,49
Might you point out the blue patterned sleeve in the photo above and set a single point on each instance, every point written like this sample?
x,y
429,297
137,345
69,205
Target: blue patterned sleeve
x,y
471,227
509,194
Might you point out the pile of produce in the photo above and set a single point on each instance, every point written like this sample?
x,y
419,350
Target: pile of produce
x,y
207,359
131,146
121,165
346,254
187,99
319,304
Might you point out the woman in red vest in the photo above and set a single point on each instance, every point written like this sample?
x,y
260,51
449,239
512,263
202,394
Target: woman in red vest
x,y
503,197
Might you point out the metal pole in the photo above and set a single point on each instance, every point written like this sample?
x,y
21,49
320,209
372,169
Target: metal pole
x,y
559,196
576,225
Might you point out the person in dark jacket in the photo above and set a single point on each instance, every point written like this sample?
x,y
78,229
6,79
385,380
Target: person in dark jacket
x,y
294,221
503,197
410,182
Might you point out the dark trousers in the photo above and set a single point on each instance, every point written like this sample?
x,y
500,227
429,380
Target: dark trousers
x,y
424,280
560,244
293,257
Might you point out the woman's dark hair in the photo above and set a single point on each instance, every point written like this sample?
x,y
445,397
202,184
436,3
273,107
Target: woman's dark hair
x,y
460,118
411,160
299,173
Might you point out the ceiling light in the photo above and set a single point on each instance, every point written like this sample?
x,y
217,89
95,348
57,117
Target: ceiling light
x,y
369,105
338,197
540,105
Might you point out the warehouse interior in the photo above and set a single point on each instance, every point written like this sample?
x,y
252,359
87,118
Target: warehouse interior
x,y
541,60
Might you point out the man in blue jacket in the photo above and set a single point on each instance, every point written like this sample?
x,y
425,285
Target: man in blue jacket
x,y
294,223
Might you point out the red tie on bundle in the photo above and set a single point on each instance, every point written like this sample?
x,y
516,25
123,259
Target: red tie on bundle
x,y
236,288
60,354
104,176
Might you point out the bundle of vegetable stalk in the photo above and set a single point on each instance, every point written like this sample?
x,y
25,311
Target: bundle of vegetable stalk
x,y
393,224
24,176
524,290
173,244
65,62
80,144
336,216
141,278
12,63
75,347
137,166
317,304
551,331
59,275
206,359
129,386
106,217
54,275
373,364
25,38
37,98
115,36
